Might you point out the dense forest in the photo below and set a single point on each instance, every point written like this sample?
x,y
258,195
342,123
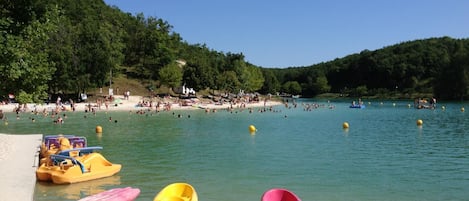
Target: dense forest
x,y
435,66
70,46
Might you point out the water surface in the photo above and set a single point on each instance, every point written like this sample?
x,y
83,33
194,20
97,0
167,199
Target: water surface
x,y
384,155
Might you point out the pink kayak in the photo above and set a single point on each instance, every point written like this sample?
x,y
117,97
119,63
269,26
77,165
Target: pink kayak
x,y
115,194
279,194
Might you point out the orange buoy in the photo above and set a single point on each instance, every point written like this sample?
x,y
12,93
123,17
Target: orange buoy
x,y
252,129
345,125
99,129
419,122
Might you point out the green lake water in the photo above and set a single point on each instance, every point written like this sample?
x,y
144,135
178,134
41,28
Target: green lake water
x,y
384,155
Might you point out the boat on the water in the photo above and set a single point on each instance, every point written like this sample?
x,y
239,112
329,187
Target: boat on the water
x,y
279,194
54,144
357,106
115,194
425,104
84,165
177,192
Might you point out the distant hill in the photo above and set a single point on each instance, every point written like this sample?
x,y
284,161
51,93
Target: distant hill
x,y
434,66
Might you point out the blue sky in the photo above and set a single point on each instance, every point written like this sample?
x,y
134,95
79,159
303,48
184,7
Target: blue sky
x,y
282,33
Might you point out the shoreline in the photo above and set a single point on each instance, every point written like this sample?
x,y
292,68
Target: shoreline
x,y
138,103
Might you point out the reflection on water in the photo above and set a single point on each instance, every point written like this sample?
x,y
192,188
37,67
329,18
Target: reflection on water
x,y
77,190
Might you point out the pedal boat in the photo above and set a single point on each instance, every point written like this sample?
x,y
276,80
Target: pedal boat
x,y
53,144
86,165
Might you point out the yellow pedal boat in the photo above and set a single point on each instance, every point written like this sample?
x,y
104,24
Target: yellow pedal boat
x,y
64,169
54,144
177,192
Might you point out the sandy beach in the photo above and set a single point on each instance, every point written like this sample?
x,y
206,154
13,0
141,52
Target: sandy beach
x,y
136,103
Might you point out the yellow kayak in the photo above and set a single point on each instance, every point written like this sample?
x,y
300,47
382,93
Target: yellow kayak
x,y
177,192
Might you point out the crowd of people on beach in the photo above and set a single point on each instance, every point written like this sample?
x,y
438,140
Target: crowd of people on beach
x,y
150,105
56,110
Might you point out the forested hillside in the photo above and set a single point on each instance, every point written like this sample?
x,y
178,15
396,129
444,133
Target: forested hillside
x,y
71,46
438,66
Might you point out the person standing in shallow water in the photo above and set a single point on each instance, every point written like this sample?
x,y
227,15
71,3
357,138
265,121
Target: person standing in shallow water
x,y
433,103
59,120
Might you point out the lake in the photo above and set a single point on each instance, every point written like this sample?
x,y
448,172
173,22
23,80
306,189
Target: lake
x,y
384,155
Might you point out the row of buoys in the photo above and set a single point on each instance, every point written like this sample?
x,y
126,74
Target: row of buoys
x,y
345,125
409,106
252,129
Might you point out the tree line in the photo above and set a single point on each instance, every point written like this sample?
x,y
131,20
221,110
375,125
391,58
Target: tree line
x,y
70,46
435,66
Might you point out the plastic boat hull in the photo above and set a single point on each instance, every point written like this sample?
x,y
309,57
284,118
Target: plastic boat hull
x,y
116,194
279,194
177,192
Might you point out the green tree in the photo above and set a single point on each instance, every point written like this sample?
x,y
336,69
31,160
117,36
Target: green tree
x,y
242,73
271,84
359,91
453,82
202,67
153,46
171,75
62,51
24,63
255,80
24,97
321,85
292,87
229,82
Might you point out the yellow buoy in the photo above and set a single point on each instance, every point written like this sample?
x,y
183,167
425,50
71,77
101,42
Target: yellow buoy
x,y
462,109
345,125
419,122
99,129
252,129
443,107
